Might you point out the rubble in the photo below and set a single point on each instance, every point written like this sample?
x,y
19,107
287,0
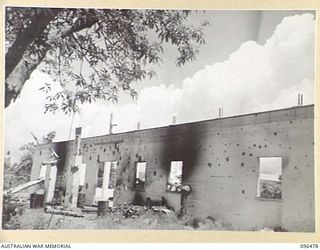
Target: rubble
x,y
275,229
87,209
127,211
124,217
11,208
61,211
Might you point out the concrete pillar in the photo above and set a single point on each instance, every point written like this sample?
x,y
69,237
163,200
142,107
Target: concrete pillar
x,y
106,179
52,182
49,173
75,173
76,180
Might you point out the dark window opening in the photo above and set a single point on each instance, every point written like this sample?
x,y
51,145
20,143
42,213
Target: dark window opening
x,y
113,175
100,175
140,176
110,169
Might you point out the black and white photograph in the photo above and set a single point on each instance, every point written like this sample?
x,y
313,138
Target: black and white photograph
x,y
159,119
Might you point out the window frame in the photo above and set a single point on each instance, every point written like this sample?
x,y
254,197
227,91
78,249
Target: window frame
x,y
135,185
169,186
101,167
112,163
279,181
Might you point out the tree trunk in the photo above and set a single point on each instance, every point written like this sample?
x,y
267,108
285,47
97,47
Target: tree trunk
x,y
21,73
23,40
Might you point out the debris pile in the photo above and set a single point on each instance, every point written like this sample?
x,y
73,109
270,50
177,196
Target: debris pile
x,y
60,210
88,209
127,211
134,211
275,229
11,208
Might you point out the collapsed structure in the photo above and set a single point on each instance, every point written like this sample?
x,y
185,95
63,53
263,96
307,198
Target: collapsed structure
x,y
252,171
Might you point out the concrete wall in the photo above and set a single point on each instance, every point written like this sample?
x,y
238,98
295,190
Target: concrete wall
x,y
221,163
66,156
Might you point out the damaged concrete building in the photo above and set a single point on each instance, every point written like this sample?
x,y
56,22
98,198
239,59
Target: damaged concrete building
x,y
251,171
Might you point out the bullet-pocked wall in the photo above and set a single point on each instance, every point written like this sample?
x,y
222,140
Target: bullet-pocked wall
x,y
221,163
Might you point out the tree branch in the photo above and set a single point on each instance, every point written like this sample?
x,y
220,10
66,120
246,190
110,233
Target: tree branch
x,y
79,25
21,72
39,22
83,54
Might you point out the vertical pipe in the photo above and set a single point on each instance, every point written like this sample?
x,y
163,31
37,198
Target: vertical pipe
x,y
110,124
220,112
77,141
174,120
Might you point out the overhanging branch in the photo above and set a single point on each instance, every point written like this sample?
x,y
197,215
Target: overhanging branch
x,y
20,69
23,40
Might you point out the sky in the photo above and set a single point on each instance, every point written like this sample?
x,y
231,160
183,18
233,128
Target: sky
x,y
252,61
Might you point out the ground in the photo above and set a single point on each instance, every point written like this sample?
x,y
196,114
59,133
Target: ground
x,y
145,220
19,216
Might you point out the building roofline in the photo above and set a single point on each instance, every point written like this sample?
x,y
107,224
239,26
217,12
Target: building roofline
x,y
189,123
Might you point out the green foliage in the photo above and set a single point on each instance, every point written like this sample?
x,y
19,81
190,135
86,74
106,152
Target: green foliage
x,y
100,52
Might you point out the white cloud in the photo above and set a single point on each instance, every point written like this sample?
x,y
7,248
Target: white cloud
x,y
254,78
155,107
